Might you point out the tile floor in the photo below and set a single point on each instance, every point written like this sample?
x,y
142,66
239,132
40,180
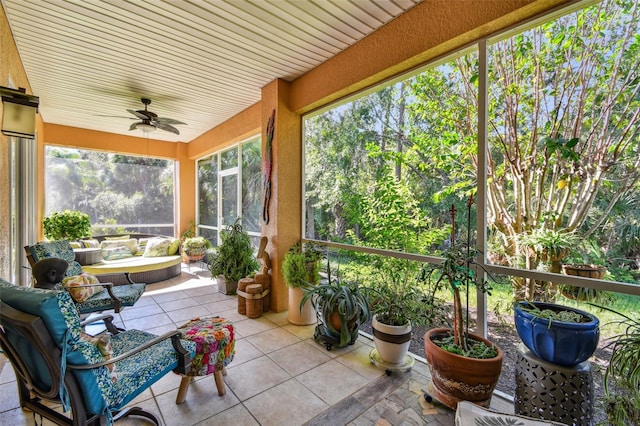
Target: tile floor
x,y
279,376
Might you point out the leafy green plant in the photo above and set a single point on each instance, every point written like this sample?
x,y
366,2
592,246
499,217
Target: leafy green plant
x,y
343,307
621,398
549,244
195,246
300,266
234,258
67,225
399,294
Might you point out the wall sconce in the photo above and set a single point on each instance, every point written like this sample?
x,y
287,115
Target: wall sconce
x,y
19,113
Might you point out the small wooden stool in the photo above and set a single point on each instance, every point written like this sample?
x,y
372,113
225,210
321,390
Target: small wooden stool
x,y
215,347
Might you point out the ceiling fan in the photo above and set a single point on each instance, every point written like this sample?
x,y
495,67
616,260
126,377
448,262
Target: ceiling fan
x,y
150,121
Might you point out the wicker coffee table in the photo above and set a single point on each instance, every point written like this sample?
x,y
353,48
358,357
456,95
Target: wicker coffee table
x,y
215,347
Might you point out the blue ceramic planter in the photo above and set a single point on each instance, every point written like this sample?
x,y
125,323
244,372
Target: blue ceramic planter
x,y
562,343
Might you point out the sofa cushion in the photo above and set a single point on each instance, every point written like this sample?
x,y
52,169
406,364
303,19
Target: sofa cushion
x,y
130,243
115,253
90,243
157,247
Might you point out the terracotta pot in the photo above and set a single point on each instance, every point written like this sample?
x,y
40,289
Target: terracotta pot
x,y
589,271
458,378
392,341
295,316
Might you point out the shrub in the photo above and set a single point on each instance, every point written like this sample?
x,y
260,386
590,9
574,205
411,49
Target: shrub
x,y
67,225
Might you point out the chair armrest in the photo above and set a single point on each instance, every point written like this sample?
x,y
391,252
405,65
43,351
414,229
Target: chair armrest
x,y
184,357
108,322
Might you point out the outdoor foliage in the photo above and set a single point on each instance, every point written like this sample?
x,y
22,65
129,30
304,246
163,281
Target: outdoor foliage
x,y
111,188
562,148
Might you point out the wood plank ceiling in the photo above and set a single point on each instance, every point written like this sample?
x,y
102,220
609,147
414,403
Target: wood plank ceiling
x,y
199,61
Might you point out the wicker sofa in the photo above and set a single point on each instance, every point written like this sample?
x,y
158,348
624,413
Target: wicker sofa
x,y
141,269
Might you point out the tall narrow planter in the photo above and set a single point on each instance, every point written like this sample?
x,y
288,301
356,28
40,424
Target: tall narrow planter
x,y
391,341
459,378
297,317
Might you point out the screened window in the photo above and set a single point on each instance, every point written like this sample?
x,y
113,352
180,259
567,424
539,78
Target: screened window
x,y
228,188
120,193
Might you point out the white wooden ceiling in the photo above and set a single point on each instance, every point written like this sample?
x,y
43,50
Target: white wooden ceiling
x,y
199,61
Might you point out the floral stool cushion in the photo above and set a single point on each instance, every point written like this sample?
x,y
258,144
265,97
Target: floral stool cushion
x,y
215,347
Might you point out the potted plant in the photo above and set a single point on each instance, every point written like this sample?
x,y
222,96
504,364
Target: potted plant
x,y
590,264
621,398
549,245
341,308
233,259
67,225
545,328
399,302
300,269
463,366
194,248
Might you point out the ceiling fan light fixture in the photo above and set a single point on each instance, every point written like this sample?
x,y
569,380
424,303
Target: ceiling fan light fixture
x,y
146,128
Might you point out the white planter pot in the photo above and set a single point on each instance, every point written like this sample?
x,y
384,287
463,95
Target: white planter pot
x,y
305,317
392,342
226,286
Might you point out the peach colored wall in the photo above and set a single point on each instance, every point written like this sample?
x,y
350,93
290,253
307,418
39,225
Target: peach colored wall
x,y
429,30
285,207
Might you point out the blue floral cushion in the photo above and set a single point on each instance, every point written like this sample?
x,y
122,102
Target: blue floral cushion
x,y
100,389
128,295
60,249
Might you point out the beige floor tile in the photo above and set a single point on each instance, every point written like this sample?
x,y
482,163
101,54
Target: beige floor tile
x,y
237,415
9,397
302,331
201,403
288,404
176,305
272,340
249,327
222,305
168,383
278,318
183,315
168,296
213,297
232,315
332,381
298,358
255,376
359,361
245,351
203,290
141,311
7,375
151,321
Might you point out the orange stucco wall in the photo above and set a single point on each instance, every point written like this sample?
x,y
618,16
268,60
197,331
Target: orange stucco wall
x,y
429,30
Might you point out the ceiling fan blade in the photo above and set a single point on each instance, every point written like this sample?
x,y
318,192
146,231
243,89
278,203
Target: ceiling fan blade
x,y
166,127
168,120
116,116
142,115
134,126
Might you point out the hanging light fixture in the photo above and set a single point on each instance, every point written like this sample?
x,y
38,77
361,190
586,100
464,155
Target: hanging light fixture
x,y
18,112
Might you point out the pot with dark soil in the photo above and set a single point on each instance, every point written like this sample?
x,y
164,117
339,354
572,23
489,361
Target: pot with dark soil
x,y
555,333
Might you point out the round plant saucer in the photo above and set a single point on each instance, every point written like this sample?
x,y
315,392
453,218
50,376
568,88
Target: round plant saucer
x,y
389,367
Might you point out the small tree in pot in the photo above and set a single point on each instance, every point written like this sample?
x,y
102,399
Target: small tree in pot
x,y
233,258
463,366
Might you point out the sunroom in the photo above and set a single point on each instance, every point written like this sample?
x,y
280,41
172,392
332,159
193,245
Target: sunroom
x,y
515,121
